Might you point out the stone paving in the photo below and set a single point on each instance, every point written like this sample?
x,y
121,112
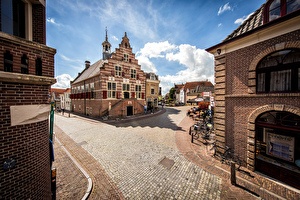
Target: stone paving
x,y
151,158
132,158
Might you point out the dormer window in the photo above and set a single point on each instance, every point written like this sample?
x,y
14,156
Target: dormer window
x,y
278,8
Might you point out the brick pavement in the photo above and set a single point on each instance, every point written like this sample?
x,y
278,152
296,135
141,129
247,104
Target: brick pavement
x,y
104,187
71,184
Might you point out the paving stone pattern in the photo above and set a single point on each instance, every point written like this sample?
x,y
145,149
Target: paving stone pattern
x,y
131,154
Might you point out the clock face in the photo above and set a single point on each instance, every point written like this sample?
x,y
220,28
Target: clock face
x,y
9,163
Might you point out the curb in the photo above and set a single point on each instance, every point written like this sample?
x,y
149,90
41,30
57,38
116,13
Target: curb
x,y
90,182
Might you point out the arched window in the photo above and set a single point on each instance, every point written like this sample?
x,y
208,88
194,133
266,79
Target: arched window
x,y
278,8
24,64
279,72
38,67
8,62
277,149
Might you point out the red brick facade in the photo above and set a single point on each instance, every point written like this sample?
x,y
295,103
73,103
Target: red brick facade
x,y
90,91
25,146
239,106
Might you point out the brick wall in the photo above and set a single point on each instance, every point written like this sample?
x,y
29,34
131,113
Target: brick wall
x,y
27,144
39,23
17,47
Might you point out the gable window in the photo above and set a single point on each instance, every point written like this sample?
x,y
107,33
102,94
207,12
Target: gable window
x,y
24,64
38,67
118,71
133,73
8,62
125,57
278,8
279,72
111,90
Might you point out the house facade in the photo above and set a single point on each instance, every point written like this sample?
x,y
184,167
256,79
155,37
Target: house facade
x,y
257,94
152,90
26,74
198,91
111,87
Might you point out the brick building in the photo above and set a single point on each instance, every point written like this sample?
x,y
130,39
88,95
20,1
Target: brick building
x,y
26,74
113,86
257,93
196,90
152,90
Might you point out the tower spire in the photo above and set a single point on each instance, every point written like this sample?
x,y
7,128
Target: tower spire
x,y
106,38
106,47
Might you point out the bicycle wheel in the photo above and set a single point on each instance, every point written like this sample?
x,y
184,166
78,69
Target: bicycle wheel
x,y
195,134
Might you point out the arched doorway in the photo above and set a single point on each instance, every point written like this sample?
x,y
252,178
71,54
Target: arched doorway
x,y
277,146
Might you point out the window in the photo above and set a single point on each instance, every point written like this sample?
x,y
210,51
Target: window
x,y
278,8
118,71
152,90
125,57
292,5
274,10
152,77
126,87
13,17
38,67
24,64
133,73
138,90
277,135
111,90
279,72
8,62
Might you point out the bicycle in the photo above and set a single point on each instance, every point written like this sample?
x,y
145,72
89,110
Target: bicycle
x,y
204,129
227,157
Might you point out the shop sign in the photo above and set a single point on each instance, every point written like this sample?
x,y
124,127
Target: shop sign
x,y
280,146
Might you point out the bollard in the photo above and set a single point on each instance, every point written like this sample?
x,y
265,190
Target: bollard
x,y
232,174
53,183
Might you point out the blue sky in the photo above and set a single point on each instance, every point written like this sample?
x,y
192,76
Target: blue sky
x,y
169,37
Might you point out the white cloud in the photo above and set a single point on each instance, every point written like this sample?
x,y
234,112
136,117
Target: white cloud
x,y
63,81
198,64
242,19
115,38
52,21
156,49
219,25
147,65
224,8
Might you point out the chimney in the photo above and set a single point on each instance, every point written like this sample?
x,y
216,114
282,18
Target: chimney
x,y
87,64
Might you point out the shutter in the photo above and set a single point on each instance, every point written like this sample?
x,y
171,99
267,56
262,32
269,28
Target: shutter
x,y
104,94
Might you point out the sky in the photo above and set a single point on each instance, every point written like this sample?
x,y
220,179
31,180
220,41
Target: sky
x,y
168,37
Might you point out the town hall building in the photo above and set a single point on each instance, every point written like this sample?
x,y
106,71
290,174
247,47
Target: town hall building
x,y
112,87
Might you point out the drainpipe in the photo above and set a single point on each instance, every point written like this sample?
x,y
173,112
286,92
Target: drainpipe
x,y
51,120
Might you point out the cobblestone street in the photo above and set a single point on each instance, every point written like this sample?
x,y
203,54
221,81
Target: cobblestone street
x,y
141,157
